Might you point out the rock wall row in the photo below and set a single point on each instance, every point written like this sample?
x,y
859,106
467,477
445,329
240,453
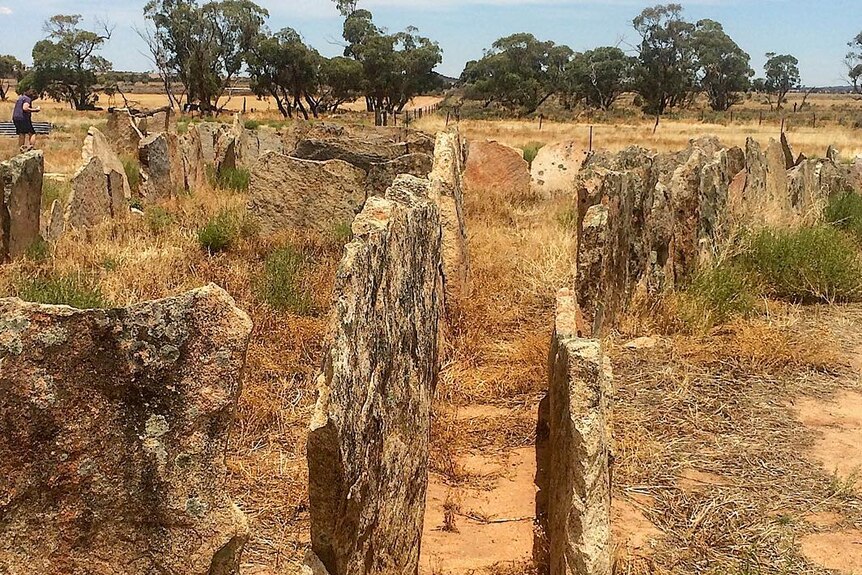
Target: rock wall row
x,y
369,436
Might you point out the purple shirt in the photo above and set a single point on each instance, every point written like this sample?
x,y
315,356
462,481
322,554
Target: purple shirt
x,y
19,113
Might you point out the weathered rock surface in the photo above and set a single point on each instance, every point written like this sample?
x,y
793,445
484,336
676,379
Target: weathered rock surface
x,y
491,166
20,203
56,223
381,176
288,193
194,164
122,132
573,470
113,431
209,133
96,144
161,166
593,256
368,443
359,153
447,192
554,169
96,197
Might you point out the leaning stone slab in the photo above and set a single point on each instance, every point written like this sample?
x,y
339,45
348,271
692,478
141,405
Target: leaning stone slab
x,y
355,152
573,470
447,191
20,203
288,193
56,223
96,144
491,166
113,431
368,441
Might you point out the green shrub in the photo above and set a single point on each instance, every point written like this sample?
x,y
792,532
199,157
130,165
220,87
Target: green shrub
x,y
282,283
133,172
845,213
806,265
531,150
233,179
342,232
39,251
568,217
158,219
220,232
251,124
717,294
55,190
61,290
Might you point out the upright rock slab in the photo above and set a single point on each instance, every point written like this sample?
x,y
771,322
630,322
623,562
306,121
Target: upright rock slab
x,y
359,153
573,470
20,203
368,443
288,193
194,165
447,191
97,195
491,166
381,176
554,169
96,144
113,431
122,132
161,168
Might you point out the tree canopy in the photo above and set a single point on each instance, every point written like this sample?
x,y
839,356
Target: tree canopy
x,y
782,75
204,47
598,77
722,66
10,67
65,64
854,63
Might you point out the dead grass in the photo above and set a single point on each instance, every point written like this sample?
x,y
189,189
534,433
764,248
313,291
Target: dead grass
x,y
722,404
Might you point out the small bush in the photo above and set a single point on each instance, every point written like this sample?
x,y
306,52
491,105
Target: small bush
x,y
845,213
806,265
62,290
39,251
718,294
233,179
568,218
282,283
55,190
342,232
133,172
220,232
251,124
158,219
531,150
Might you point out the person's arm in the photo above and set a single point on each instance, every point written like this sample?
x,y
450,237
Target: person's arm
x,y
29,108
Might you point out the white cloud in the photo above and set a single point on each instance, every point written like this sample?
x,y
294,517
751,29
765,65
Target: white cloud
x,y
5,11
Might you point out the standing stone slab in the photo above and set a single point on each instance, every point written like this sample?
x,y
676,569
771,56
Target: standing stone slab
x,y
56,223
493,167
209,133
159,168
368,442
90,202
554,169
96,144
359,153
592,247
447,191
573,470
20,203
122,132
113,431
287,193
194,166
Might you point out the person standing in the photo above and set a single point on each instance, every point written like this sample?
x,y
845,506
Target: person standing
x,y
22,117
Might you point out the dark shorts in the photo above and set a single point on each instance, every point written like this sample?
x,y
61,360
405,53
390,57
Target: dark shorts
x,y
24,126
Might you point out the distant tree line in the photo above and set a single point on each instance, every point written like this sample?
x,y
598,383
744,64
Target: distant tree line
x,y
199,50
674,62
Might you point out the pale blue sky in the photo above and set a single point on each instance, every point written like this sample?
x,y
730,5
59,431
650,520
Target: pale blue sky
x,y
815,32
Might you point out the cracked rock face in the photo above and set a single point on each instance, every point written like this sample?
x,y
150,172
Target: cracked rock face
x,y
288,193
20,203
368,442
113,431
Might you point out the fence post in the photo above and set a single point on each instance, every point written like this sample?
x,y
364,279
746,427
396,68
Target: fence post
x,y
541,119
782,125
761,118
591,139
447,118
